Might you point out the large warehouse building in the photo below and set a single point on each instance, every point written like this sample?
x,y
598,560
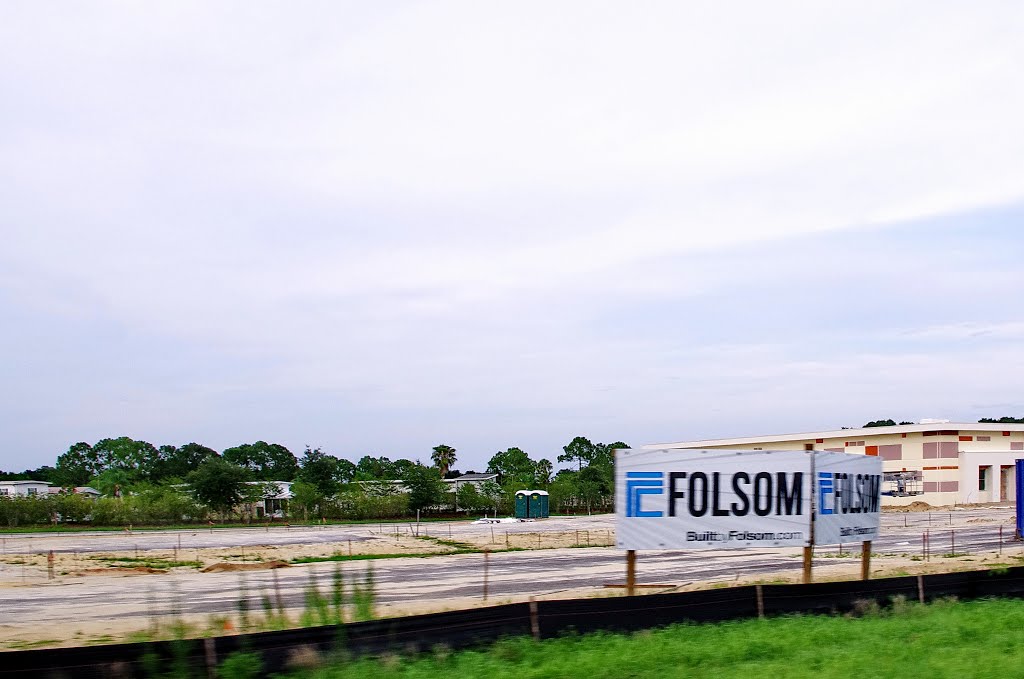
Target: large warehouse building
x,y
937,462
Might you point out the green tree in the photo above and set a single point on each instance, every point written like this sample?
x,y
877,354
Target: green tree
x,y
266,461
139,460
513,467
371,468
77,466
402,467
306,500
496,496
580,450
180,462
543,472
425,487
320,470
443,457
594,485
345,472
881,423
470,499
219,484
71,507
113,482
1002,420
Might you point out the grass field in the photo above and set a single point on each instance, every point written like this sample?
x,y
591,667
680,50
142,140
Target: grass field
x,y
945,639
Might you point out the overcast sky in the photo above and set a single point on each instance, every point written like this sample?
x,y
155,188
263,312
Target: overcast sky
x,y
375,227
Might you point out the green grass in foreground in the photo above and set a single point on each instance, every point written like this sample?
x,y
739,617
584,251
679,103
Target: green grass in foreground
x,y
979,639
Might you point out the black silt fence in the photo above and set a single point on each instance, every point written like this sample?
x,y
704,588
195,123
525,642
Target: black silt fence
x,y
462,629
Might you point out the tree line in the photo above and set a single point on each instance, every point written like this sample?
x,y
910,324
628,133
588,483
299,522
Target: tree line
x,y
146,484
985,420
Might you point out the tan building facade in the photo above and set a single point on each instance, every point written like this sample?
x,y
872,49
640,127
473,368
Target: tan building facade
x,y
938,463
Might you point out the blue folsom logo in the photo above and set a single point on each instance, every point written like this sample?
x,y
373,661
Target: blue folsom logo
x,y
639,484
841,493
826,493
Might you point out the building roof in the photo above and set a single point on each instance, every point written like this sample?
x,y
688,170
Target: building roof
x,y
474,477
25,483
844,433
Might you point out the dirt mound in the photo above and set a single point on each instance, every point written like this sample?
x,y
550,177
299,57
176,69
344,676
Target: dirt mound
x,y
116,570
915,506
229,567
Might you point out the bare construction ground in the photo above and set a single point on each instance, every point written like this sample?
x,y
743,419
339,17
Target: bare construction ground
x,y
114,586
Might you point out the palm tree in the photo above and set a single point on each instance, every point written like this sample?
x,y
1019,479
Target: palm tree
x,y
443,457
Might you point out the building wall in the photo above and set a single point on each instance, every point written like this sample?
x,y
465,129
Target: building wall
x,y
948,459
23,489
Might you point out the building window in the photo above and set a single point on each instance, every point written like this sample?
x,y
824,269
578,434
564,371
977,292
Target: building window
x,y
982,477
984,438
4,491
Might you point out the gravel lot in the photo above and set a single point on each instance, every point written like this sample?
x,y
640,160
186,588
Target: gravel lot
x,y
88,600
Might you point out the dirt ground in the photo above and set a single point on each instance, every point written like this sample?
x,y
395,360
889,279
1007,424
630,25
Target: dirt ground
x,y
395,539
24,572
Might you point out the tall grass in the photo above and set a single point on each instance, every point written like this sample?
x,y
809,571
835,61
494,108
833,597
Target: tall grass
x,y
982,639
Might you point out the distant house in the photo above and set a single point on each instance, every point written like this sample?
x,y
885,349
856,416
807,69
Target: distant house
x,y
383,487
477,480
275,500
23,488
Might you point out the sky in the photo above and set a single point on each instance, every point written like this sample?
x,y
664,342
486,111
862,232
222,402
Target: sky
x,y
377,227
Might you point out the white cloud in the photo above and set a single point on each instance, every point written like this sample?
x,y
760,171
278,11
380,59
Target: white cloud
x,y
431,202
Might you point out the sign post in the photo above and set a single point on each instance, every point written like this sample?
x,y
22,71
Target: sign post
x,y
848,495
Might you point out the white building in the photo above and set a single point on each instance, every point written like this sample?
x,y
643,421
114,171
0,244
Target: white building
x,y
275,499
938,462
23,488
476,480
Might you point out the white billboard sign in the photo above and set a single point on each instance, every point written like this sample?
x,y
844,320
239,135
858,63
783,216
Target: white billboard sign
x,y
712,499
848,498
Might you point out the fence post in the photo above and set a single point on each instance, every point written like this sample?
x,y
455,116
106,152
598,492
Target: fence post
x,y
630,572
211,656
920,588
808,561
865,560
487,553
759,590
534,619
